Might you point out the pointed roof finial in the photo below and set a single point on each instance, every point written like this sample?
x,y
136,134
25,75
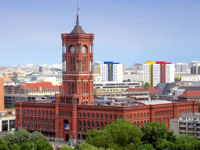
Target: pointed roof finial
x,y
77,28
77,18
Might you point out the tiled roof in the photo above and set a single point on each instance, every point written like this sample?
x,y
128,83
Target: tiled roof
x,y
153,91
40,85
191,93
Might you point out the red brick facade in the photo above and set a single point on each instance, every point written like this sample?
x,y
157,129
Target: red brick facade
x,y
50,118
74,106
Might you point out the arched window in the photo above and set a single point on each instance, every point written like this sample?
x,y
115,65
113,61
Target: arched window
x,y
31,112
97,125
110,116
47,123
79,115
43,123
51,124
101,116
31,122
24,121
39,122
115,116
84,125
35,122
138,116
97,116
93,125
92,116
89,115
131,116
106,116
47,113
127,117
84,116
102,126
27,112
88,125
80,126
39,112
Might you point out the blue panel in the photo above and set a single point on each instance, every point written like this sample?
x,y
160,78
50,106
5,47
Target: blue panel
x,y
110,69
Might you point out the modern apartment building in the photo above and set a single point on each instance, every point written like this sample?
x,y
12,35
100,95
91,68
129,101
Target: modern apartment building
x,y
182,68
195,69
158,72
108,72
187,124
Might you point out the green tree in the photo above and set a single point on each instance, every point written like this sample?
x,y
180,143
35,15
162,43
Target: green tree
x,y
28,146
124,134
145,147
154,132
22,136
65,147
118,135
146,85
37,136
177,79
10,139
98,138
163,144
42,144
3,145
86,146
14,147
186,142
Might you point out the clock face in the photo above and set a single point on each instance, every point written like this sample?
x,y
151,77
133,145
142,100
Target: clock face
x,y
83,49
72,49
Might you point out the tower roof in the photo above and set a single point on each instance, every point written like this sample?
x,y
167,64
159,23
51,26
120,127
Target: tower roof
x,y
77,27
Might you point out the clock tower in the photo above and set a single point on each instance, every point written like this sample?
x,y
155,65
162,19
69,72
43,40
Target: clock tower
x,y
77,59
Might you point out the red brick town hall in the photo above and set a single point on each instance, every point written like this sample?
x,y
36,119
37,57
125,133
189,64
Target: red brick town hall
x,y
75,110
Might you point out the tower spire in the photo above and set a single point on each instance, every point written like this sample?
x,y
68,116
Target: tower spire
x,y
77,17
77,27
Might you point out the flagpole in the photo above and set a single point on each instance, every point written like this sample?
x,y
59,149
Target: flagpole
x,y
77,7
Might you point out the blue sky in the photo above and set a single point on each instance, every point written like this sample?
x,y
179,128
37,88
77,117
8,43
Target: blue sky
x,y
126,31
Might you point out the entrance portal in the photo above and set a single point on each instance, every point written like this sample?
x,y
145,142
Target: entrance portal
x,y
67,137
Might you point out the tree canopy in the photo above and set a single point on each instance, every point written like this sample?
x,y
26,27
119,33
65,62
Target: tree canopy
x,y
23,140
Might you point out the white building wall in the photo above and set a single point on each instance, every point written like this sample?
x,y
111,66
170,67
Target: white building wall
x,y
104,72
156,74
170,73
146,69
118,72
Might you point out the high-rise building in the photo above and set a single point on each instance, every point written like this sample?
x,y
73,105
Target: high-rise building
x,y
108,71
195,69
137,67
158,72
182,68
